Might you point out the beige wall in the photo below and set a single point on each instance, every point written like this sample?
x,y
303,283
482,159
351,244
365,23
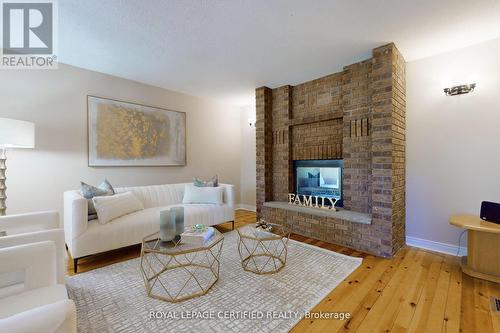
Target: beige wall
x,y
56,102
453,143
247,159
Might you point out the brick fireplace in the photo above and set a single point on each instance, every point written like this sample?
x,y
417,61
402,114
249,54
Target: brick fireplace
x,y
358,116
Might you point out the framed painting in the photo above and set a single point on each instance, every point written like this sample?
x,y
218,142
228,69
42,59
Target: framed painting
x,y
129,134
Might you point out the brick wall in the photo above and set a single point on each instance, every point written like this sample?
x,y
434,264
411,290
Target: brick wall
x,y
316,141
356,106
281,109
388,144
332,230
398,151
318,99
358,115
264,144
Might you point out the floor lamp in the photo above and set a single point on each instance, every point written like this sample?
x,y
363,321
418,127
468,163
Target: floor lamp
x,y
13,134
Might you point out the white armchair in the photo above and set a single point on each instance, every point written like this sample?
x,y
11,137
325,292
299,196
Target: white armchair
x,y
35,227
39,303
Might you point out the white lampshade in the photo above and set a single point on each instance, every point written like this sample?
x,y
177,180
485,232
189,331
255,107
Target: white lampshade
x,y
16,133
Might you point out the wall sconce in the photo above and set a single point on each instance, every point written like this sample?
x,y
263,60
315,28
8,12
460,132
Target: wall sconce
x,y
252,122
459,90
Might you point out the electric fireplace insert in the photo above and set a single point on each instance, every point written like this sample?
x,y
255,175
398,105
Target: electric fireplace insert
x,y
322,178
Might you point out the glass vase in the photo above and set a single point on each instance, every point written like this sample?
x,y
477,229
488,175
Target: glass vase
x,y
177,214
167,226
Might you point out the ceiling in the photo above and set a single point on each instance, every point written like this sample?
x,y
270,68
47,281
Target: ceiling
x,y
224,49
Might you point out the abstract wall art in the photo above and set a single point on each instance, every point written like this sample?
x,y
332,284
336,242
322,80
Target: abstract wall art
x,y
128,134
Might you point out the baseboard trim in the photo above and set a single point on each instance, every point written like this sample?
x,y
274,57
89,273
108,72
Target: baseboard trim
x,y
250,208
436,246
426,244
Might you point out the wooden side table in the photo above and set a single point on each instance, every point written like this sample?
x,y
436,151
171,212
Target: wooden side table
x,y
483,247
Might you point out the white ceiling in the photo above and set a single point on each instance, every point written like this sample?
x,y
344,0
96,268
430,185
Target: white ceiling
x,y
225,48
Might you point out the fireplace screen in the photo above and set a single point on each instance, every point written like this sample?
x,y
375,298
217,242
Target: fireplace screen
x,y
321,178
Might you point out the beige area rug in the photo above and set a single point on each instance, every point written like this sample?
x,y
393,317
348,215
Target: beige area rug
x,y
113,298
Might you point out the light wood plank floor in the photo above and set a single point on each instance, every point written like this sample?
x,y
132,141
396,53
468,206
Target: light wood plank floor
x,y
416,291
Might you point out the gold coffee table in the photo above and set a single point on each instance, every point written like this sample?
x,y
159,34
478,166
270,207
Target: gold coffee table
x,y
175,272
262,251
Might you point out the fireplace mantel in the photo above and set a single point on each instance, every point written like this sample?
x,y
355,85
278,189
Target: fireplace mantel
x,y
341,214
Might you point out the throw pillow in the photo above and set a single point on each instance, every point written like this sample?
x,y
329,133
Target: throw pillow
x,y
111,207
202,195
212,182
89,191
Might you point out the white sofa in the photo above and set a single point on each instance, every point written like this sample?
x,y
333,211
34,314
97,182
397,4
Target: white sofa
x,y
85,238
39,303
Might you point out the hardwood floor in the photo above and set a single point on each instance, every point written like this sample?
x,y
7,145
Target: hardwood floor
x,y
416,291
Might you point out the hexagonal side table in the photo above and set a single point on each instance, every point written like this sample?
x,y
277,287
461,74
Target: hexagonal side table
x,y
262,251
175,272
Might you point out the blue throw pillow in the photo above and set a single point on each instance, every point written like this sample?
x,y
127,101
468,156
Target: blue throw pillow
x,y
89,191
213,182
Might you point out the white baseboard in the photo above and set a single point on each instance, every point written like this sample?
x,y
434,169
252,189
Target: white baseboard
x,y
436,246
251,208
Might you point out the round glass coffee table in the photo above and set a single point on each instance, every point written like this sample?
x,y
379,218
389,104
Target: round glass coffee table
x,y
176,271
263,251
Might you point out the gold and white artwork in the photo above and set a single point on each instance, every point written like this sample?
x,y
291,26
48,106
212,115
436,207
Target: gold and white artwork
x,y
127,134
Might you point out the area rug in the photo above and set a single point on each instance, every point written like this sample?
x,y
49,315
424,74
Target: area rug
x,y
113,298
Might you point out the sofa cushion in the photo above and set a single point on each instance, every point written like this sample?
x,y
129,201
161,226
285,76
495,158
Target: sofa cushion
x,y
32,299
109,208
202,195
123,231
157,195
207,214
